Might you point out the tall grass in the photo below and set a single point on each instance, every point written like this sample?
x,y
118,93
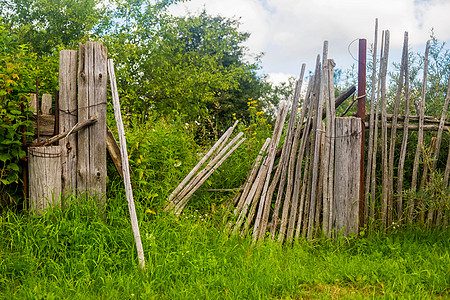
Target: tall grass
x,y
77,253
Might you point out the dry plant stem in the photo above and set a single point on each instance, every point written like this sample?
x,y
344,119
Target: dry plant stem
x,y
301,152
223,138
393,138
125,165
371,126
401,163
438,146
419,135
291,152
384,152
315,173
185,200
251,177
201,175
264,202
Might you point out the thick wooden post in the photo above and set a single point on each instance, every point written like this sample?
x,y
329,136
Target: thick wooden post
x,y
347,172
68,118
45,177
92,76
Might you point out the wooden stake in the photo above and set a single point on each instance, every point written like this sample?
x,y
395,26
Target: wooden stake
x,y
401,163
371,126
125,165
420,134
384,151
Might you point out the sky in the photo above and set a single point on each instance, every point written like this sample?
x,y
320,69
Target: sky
x,y
292,32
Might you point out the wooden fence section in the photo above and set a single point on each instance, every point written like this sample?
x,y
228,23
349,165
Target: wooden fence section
x,y
78,127
316,185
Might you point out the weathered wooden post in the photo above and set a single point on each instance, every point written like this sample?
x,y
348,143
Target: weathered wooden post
x,y
92,77
68,118
45,177
347,173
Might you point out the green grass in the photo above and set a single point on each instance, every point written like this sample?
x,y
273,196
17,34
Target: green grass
x,y
76,253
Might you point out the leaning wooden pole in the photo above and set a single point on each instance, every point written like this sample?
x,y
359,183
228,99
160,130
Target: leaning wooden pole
x,y
125,165
315,166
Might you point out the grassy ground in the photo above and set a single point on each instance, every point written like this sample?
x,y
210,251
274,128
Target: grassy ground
x,y
77,254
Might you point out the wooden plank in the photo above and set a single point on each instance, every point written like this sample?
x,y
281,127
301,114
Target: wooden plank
x,y
347,165
46,124
125,165
46,104
401,163
92,76
414,127
114,151
68,118
32,103
44,167
411,203
412,118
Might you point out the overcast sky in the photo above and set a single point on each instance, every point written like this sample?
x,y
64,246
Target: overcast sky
x,y
291,32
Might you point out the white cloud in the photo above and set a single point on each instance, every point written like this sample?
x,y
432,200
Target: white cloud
x,y
291,32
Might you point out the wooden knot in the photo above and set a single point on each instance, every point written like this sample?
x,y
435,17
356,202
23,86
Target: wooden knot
x,y
98,174
100,76
83,75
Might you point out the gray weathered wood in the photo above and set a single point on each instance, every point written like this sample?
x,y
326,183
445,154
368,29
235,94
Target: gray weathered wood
x,y
92,80
390,203
411,203
371,124
32,103
180,206
328,184
347,166
401,163
92,120
114,151
316,156
290,163
44,170
125,165
251,176
300,157
264,202
223,139
68,118
384,150
46,104
438,147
